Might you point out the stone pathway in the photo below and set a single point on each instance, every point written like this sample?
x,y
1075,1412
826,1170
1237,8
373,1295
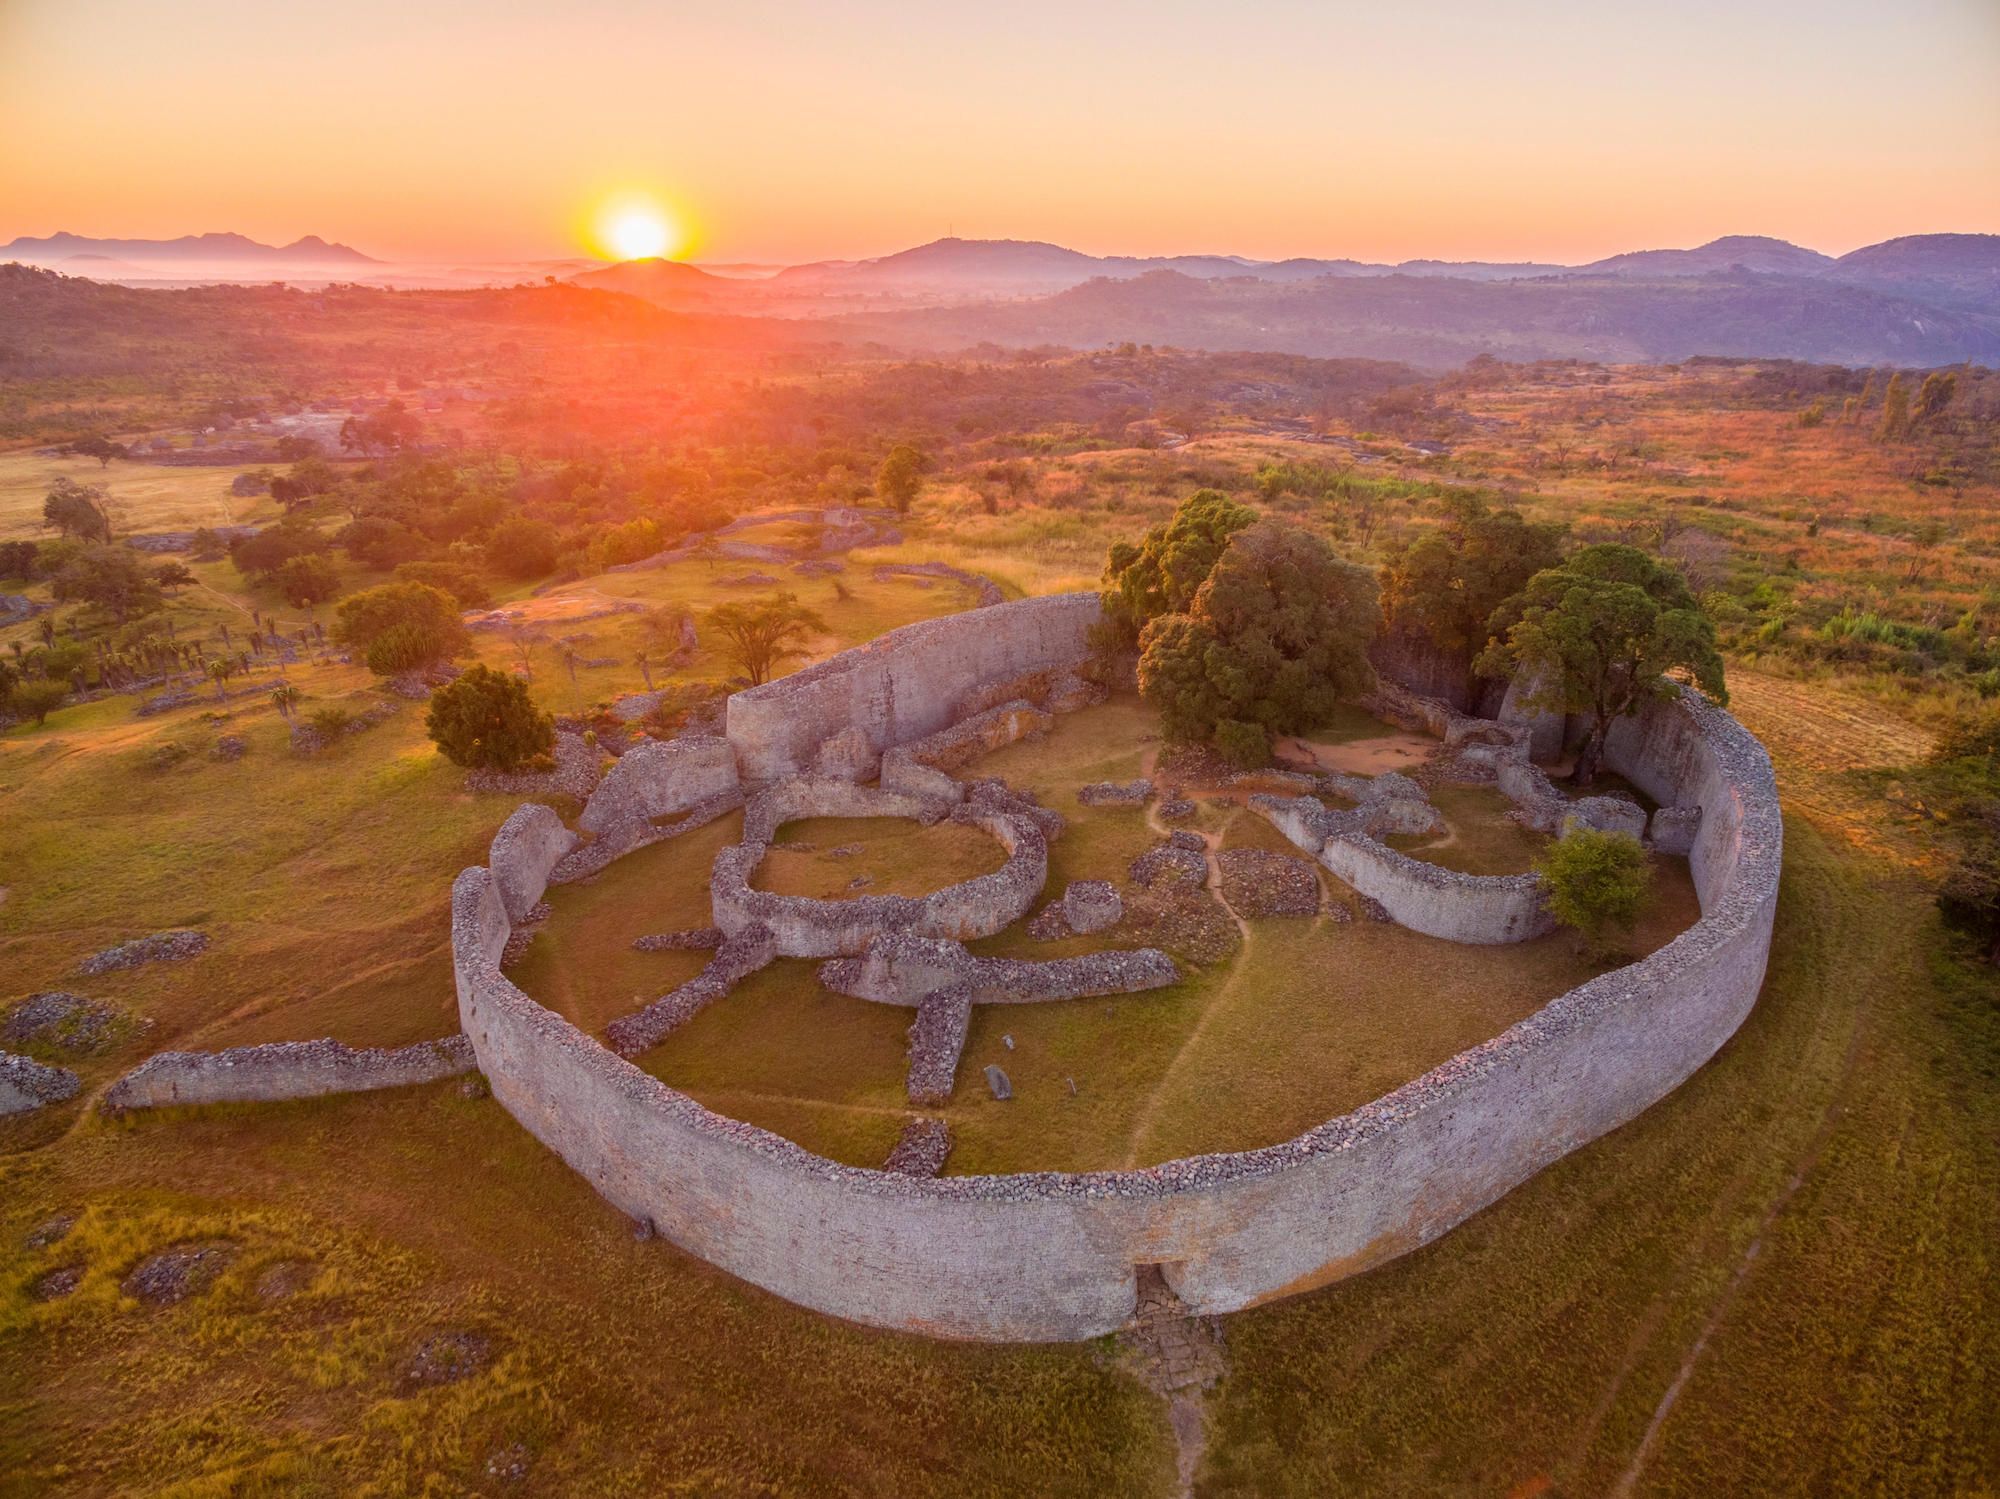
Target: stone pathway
x,y
1179,1358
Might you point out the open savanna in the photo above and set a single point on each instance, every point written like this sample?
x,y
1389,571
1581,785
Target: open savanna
x,y
140,496
1778,1280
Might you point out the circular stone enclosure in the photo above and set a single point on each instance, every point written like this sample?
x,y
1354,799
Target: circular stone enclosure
x,y
1048,1256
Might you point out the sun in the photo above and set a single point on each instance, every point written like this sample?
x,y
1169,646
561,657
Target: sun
x,y
633,227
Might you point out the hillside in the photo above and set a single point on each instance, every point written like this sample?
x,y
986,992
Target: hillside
x,y
206,248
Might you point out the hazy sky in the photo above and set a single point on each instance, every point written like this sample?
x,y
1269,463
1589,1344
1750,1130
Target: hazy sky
x,y
786,130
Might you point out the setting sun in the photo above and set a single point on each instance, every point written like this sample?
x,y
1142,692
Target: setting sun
x,y
637,228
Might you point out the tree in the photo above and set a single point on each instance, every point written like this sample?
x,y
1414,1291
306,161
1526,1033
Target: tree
x,y
271,548
18,559
901,476
310,477
77,510
1161,574
286,699
1595,883
522,548
111,578
36,700
292,449
467,588
1895,412
486,719
1598,634
758,637
1447,583
385,431
308,579
221,669
400,627
1935,398
173,575
102,448
1271,643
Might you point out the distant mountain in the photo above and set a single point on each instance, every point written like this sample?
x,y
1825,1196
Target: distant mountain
x,y
1441,321
1734,252
1955,270
667,282
214,248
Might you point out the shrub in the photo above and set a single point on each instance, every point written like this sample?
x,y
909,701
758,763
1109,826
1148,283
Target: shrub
x,y
1595,883
422,620
522,548
331,723
465,586
486,720
308,580
37,700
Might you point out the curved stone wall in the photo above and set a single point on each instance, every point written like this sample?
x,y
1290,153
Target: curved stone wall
x,y
1055,1256
905,685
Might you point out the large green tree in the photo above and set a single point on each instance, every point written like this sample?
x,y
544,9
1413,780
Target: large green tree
x,y
1446,584
401,626
77,510
1161,574
112,578
1598,634
901,476
1271,642
486,719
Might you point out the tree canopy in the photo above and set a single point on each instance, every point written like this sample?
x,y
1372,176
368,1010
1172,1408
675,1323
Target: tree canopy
x,y
485,719
901,476
1446,584
1598,634
401,626
1273,639
1161,574
759,637
77,510
112,578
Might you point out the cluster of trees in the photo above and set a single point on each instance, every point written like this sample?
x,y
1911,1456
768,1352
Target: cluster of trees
x,y
1246,629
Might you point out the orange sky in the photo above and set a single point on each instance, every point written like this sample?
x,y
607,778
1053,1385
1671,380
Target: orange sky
x,y
1497,129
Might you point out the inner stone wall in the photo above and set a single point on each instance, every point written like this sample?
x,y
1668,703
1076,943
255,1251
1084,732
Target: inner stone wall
x,y
1056,1256
905,685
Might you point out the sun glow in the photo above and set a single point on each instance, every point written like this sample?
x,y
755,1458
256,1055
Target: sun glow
x,y
637,227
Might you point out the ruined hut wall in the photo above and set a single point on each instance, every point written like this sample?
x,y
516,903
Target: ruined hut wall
x,y
281,1070
905,685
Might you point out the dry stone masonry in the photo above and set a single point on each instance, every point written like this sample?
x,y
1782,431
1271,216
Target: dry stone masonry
x,y
1062,1256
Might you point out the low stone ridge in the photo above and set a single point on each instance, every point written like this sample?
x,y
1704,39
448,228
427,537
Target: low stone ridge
x,y
1188,839
577,771
1177,809
808,928
1071,693
1086,907
26,1084
446,1358
986,589
1256,882
179,1271
280,1070
694,939
1171,858
995,795
922,1147
937,1038
903,970
791,801
592,858
737,956
1112,794
161,947
67,1023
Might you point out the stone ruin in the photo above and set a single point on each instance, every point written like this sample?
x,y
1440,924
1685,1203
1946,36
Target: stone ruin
x,y
1055,1255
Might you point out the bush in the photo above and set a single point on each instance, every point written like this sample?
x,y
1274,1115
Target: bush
x,y
486,720
522,548
1596,883
413,625
331,723
308,580
36,700
465,586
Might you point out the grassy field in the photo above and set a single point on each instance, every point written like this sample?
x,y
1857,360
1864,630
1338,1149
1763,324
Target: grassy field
x,y
141,496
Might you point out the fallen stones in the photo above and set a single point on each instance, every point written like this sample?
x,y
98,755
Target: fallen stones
x,y
694,939
56,1283
67,1023
229,747
26,1084
578,769
1113,794
161,947
922,1147
1173,860
937,1037
1071,693
49,1231
736,957
1256,882
1091,906
178,1272
446,1358
998,1081
284,1279
1177,809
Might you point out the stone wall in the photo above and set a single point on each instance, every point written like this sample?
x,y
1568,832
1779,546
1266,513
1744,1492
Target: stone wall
x,y
902,970
806,928
282,1070
904,685
1058,1256
529,844
659,777
27,1084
